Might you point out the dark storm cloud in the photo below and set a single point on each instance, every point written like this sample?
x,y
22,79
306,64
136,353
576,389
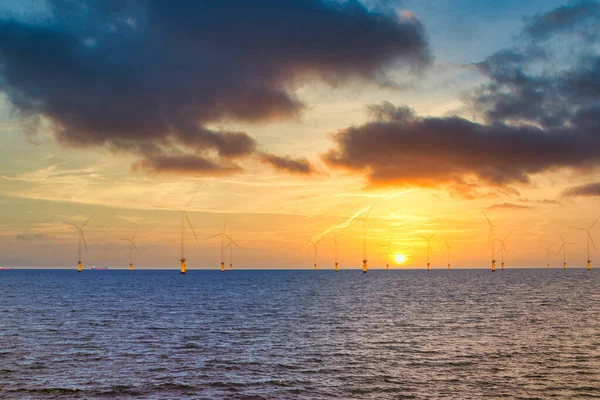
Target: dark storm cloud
x,y
587,190
284,163
563,19
401,148
534,121
148,76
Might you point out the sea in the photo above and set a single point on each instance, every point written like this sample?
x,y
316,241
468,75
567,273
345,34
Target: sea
x,y
300,334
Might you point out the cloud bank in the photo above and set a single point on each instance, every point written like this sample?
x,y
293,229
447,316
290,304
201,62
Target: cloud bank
x,y
152,77
533,121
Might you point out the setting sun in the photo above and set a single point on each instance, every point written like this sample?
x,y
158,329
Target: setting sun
x,y
400,258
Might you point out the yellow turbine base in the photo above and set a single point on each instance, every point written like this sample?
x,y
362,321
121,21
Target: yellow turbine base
x,y
589,265
182,268
502,266
564,265
448,266
222,267
315,267
494,265
387,267
428,266
79,266
336,267
365,267
130,267
548,266
231,267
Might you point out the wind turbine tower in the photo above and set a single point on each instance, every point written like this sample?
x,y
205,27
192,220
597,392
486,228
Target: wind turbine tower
x,y
548,254
80,238
429,249
491,239
588,240
131,247
563,247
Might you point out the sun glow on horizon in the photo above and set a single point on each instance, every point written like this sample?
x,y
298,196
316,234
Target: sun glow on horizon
x,y
400,258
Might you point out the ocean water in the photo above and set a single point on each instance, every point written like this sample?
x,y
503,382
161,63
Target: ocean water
x,y
462,334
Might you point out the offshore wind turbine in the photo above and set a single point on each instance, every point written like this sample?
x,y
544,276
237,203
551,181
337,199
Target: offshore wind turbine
x,y
429,249
448,248
132,246
548,254
563,247
335,250
503,249
365,221
223,235
491,239
588,240
315,252
388,246
184,219
230,245
80,237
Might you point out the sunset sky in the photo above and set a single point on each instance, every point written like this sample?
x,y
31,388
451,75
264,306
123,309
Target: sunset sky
x,y
294,117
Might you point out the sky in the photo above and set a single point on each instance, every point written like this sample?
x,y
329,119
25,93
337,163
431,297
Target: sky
x,y
294,120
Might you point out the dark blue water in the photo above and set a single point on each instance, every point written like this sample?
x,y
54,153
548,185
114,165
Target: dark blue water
x,y
300,334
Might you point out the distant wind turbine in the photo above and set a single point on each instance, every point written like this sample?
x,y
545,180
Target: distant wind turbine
x,y
80,237
491,239
223,235
503,249
230,245
365,221
132,246
388,246
184,219
448,248
563,247
315,252
588,240
429,249
548,254
335,250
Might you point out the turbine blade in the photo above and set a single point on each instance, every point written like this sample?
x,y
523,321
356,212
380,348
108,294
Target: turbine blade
x,y
69,223
591,239
190,224
213,236
486,217
89,219
592,225
135,233
561,238
225,223
561,247
135,247
581,229
83,237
